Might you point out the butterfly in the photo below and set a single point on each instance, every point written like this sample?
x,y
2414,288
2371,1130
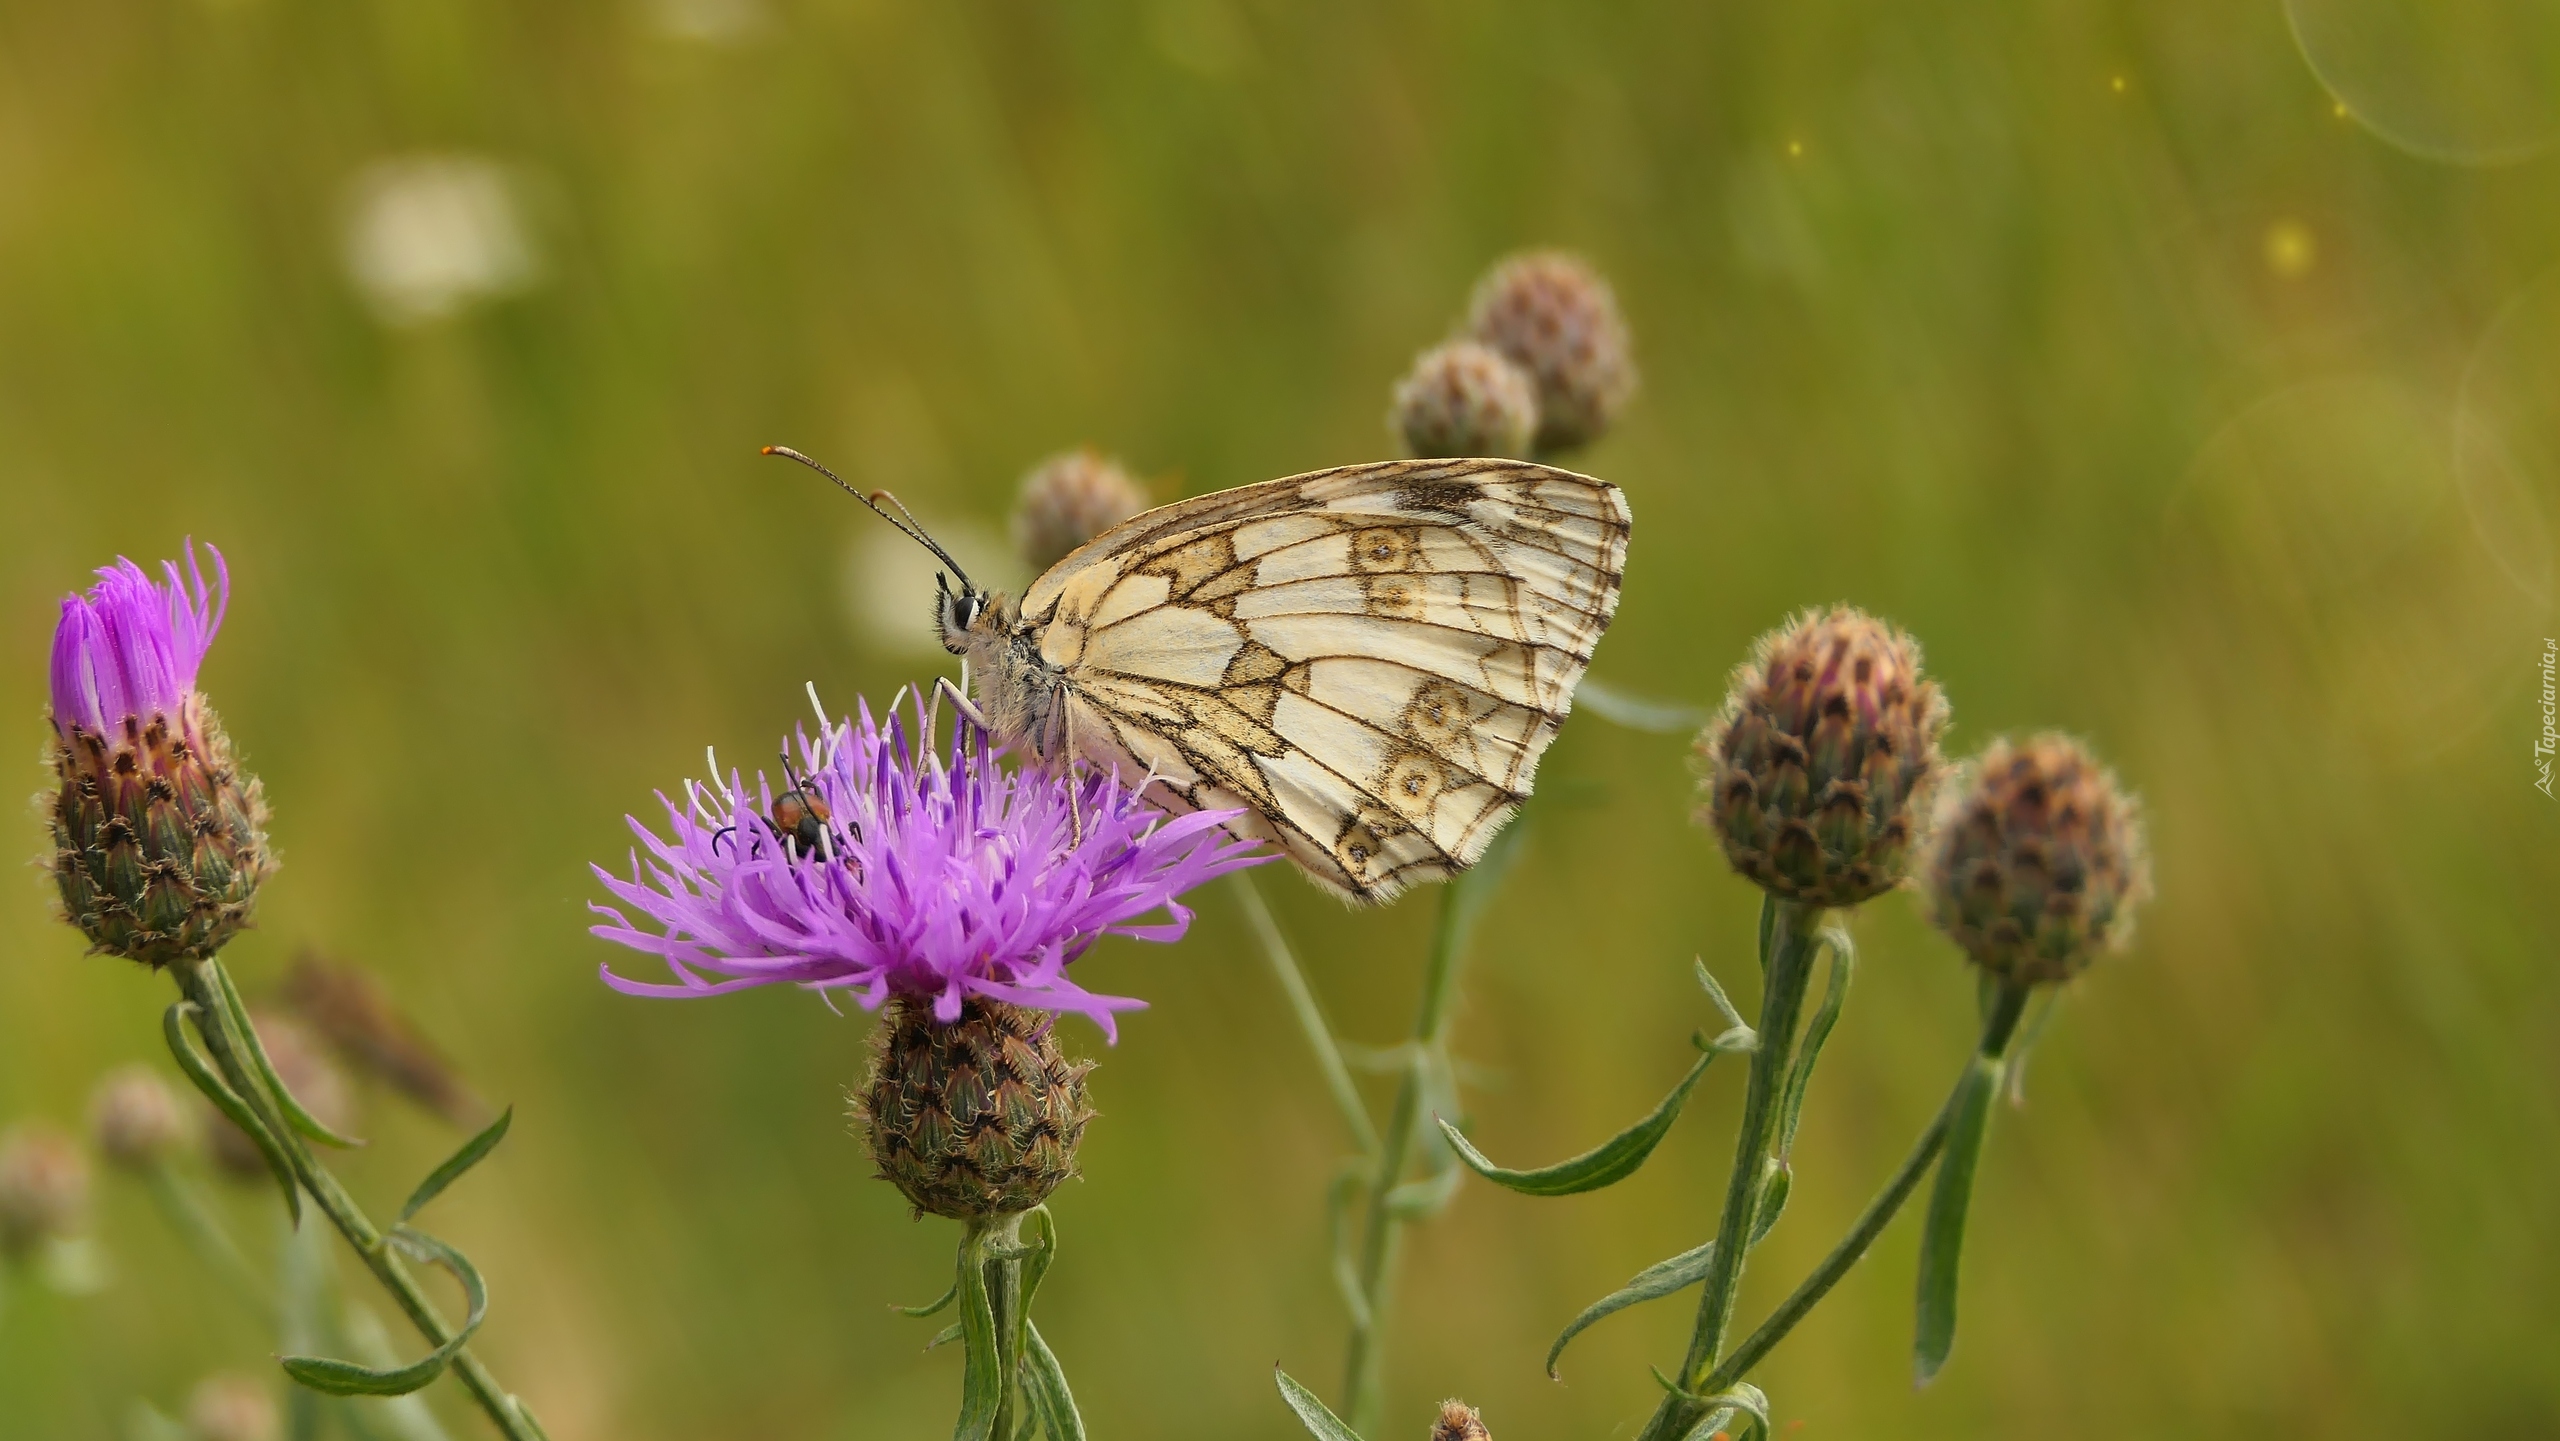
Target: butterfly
x,y
1367,662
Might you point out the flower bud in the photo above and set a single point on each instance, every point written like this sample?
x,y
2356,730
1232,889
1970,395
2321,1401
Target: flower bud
x,y
1069,499
232,1408
303,1064
1814,774
976,1119
1458,1421
44,1188
136,1121
159,836
2037,862
350,1009
1465,398
1556,319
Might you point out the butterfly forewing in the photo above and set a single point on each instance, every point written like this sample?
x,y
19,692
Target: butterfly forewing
x,y
1368,661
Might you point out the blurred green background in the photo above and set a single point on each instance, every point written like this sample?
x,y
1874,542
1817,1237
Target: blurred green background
x,y
2170,394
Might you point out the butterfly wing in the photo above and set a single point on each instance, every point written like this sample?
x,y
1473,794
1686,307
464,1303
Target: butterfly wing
x,y
1368,660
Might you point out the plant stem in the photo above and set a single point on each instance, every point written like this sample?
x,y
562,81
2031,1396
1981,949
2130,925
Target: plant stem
x,y
197,982
186,1214
1880,1212
1302,1004
1001,1238
1788,944
1363,1382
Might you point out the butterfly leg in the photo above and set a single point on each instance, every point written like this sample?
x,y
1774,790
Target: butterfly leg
x,y
942,687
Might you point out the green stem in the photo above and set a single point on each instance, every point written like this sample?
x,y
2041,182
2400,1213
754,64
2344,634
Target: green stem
x,y
198,982
1002,1238
1364,1381
1302,1004
187,1215
1788,942
1996,1034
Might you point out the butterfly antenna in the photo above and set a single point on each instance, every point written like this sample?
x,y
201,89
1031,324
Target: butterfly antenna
x,y
904,520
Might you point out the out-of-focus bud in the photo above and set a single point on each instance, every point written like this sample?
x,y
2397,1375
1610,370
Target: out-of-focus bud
x,y
1458,1421
1814,774
976,1119
1069,499
159,836
44,1188
1554,316
232,1408
2036,862
304,1066
349,1007
1465,398
136,1120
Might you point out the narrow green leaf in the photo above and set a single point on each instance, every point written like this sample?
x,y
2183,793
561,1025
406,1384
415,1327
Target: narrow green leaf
x,y
982,1377
1611,1161
1046,1384
1942,1234
228,1102
1734,1023
457,1163
237,1011
1775,1182
1425,1197
1320,1423
944,1337
1835,993
345,1378
1745,1401
1038,1255
1654,1282
922,1311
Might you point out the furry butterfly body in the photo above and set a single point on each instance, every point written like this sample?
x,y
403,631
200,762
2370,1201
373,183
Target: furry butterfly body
x,y
1367,661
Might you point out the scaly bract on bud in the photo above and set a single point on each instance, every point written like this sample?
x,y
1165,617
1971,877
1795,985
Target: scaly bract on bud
x,y
2036,862
1465,398
1815,774
1554,316
976,1118
1069,499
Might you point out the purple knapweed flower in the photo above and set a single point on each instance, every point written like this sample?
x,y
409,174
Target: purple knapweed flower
x,y
159,846
132,647
889,867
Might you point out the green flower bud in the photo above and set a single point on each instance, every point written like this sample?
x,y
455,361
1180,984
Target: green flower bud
x,y
2036,863
1465,398
1069,499
1554,316
1815,773
976,1119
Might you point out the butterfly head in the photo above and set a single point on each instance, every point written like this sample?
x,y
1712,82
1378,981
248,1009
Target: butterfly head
x,y
964,615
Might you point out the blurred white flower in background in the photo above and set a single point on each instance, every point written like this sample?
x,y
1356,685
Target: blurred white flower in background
x,y
714,22
430,234
890,580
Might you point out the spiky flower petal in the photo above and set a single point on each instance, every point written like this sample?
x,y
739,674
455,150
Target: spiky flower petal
x,y
1069,499
1815,773
1458,1421
977,1118
2036,863
932,874
159,836
1554,316
1465,398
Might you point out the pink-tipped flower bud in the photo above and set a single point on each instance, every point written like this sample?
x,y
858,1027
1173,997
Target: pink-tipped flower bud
x,y
1069,499
1554,316
44,1188
136,1120
2036,862
1465,398
1458,1421
232,1408
302,1062
1814,774
159,836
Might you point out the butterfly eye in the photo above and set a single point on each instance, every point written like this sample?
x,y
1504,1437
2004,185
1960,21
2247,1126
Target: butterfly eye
x,y
964,610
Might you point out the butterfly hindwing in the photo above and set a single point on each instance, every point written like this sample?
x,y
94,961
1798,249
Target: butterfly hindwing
x,y
1369,660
